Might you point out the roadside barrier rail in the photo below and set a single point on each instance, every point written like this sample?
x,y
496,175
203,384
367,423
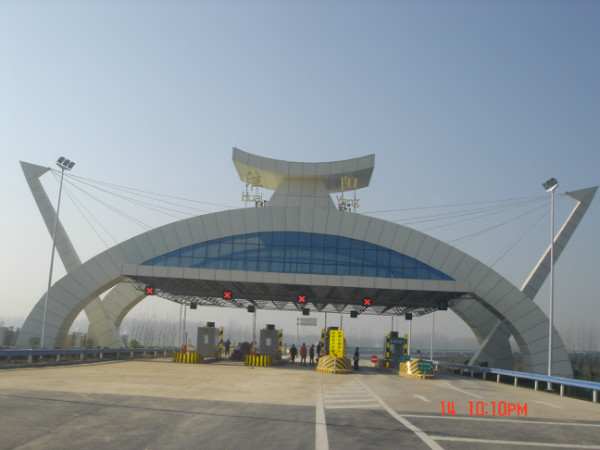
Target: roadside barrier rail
x,y
101,352
592,386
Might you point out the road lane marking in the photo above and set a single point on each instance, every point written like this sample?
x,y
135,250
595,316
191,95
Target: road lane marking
x,y
420,433
551,405
321,441
420,397
371,406
519,443
448,385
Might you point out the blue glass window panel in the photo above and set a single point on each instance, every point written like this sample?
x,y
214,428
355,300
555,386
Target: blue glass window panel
x,y
224,264
304,240
370,256
278,239
331,242
212,250
296,252
226,248
329,269
278,254
330,256
343,242
383,258
356,254
186,261
317,240
276,266
356,271
291,239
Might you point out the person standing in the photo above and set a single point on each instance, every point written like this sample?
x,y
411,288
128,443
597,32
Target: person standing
x,y
293,352
356,358
227,346
311,354
303,351
318,351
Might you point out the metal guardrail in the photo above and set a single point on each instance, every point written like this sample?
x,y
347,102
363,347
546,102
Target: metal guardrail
x,y
536,378
58,353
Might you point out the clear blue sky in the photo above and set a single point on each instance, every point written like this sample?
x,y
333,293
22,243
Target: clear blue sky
x,y
460,101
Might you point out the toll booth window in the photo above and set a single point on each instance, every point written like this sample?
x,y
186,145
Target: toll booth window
x,y
296,252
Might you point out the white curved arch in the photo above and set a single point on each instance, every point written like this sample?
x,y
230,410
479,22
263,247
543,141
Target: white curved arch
x,y
495,294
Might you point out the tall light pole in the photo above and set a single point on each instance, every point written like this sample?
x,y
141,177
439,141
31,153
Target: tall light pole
x,y
551,186
64,164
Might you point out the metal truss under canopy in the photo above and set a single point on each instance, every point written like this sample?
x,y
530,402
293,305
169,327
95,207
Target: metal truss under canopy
x,y
284,297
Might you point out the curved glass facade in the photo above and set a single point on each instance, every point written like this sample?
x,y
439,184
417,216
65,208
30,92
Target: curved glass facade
x,y
295,252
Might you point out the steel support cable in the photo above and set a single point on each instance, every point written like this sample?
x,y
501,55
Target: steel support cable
x,y
141,203
454,205
451,214
112,208
81,208
480,212
480,216
478,233
79,205
116,186
504,252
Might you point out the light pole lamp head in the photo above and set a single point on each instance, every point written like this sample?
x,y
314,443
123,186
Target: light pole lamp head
x,y
64,163
550,185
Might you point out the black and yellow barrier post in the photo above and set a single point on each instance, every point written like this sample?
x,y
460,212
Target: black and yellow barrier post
x,y
187,358
387,350
258,360
280,349
220,342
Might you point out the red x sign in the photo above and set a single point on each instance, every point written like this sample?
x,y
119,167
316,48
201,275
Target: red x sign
x,y
366,302
302,299
149,290
227,295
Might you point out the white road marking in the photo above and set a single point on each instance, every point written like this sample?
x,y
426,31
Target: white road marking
x,y
420,397
551,405
519,443
448,385
420,433
369,399
371,406
321,441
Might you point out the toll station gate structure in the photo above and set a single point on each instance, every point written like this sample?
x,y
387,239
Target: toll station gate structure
x,y
298,250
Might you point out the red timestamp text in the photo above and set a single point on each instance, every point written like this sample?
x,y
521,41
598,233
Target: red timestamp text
x,y
503,409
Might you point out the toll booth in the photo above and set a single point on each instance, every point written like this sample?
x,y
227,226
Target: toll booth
x,y
396,349
209,341
270,342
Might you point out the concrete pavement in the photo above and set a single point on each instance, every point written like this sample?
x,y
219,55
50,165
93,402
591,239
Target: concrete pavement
x,y
157,404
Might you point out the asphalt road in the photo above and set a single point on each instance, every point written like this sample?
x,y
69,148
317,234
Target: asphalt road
x,y
156,404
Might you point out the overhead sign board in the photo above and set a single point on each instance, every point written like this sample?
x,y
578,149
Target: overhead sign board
x,y
308,321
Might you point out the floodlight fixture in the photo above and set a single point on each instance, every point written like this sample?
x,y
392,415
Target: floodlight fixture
x,y
64,163
550,185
